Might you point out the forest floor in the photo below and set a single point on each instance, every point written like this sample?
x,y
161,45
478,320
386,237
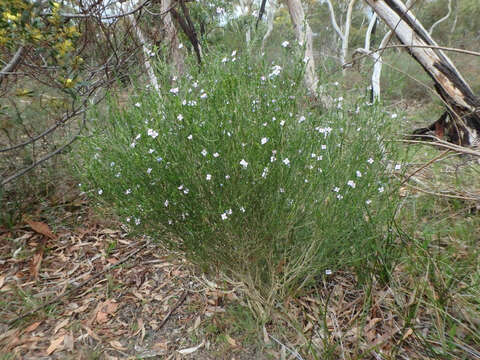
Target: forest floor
x,y
84,289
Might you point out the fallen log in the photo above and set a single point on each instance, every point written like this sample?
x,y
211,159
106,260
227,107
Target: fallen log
x,y
460,124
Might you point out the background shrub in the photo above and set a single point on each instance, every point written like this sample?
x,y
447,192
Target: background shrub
x,y
229,165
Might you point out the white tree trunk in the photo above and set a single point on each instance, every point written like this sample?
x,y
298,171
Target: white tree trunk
x,y
172,37
246,10
368,35
442,19
345,34
377,68
147,52
270,18
304,36
124,7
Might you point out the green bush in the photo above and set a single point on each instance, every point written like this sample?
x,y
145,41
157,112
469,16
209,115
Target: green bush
x,y
229,165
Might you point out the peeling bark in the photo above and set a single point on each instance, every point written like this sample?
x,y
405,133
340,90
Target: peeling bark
x,y
462,125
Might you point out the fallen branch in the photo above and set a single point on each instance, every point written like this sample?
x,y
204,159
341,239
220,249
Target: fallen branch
x,y
172,310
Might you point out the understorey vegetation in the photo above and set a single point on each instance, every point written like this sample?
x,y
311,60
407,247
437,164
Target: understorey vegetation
x,y
231,166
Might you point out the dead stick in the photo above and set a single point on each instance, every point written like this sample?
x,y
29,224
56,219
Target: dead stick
x,y
69,292
175,307
436,158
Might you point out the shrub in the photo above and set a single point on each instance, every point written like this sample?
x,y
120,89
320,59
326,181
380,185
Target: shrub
x,y
230,166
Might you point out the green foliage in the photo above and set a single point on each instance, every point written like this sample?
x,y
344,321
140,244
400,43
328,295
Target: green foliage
x,y
232,170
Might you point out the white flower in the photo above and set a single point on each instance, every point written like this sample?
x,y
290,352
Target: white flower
x,y
159,159
265,172
174,90
285,44
336,189
234,52
132,145
166,203
137,221
204,152
128,219
339,197
138,136
220,10
324,147
180,45
328,272
151,151
152,133
203,96
242,209
190,137
227,177
352,184
138,104
229,211
370,161
263,78
286,161
112,163
208,177
149,170
117,175
128,191
186,191
359,174
368,202
180,187
302,119
394,116
264,141
216,155
244,163
381,189
276,69
282,190
100,192
224,60
195,84
398,167
306,59
180,117
336,83
224,216
282,122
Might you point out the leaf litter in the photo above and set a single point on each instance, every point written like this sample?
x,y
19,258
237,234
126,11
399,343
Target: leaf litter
x,y
83,296
78,302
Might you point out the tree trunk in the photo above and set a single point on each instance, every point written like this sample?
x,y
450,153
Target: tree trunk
x,y
304,36
346,34
172,38
270,18
462,125
146,54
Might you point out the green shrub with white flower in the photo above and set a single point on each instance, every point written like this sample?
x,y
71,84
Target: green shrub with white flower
x,y
229,165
